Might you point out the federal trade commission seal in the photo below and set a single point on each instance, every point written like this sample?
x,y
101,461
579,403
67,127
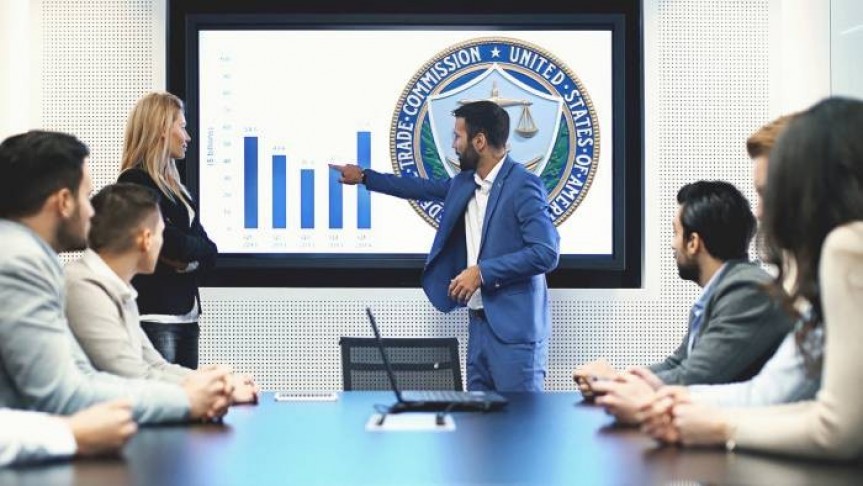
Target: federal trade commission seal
x,y
553,125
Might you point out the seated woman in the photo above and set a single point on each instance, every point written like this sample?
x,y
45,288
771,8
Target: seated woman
x,y
125,239
813,212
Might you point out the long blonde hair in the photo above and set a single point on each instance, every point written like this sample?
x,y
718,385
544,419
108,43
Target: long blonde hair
x,y
147,142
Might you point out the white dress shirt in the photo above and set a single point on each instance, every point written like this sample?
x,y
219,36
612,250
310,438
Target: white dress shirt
x,y
32,436
473,219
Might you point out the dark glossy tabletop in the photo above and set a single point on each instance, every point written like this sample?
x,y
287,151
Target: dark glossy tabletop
x,y
541,439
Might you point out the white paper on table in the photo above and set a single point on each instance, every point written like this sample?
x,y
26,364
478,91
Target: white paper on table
x,y
407,422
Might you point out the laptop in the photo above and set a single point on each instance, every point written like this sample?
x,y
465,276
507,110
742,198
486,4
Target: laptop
x,y
434,399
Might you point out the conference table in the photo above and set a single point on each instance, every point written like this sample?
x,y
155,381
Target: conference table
x,y
538,439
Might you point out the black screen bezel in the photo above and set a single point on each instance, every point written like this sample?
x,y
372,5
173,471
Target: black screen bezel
x,y
623,18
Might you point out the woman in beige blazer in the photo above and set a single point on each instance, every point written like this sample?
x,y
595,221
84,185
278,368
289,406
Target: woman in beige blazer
x,y
813,211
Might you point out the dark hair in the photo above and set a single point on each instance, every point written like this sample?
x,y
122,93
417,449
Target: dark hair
x,y
720,215
485,117
35,165
120,209
814,184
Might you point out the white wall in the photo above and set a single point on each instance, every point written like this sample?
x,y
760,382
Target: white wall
x,y
800,54
15,66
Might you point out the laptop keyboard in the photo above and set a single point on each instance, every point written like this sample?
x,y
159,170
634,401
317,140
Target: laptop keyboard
x,y
443,396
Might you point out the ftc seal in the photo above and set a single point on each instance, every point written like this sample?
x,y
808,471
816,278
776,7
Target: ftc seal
x,y
553,128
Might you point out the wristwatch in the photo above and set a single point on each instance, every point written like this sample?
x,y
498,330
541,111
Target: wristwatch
x,y
363,178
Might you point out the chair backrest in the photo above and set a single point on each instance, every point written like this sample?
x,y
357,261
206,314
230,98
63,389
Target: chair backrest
x,y
417,363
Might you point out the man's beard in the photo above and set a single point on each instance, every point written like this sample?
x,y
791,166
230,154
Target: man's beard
x,y
688,271
72,233
469,159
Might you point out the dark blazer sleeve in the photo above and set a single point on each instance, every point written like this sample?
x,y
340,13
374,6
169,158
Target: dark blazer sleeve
x,y
181,242
189,245
743,328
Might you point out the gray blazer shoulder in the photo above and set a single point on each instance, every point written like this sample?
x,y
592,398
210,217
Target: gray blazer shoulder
x,y
39,357
742,328
740,271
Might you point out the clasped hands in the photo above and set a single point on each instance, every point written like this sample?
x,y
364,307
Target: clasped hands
x,y
213,388
639,397
623,395
179,266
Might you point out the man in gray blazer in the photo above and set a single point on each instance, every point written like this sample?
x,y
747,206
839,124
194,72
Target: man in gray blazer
x,y
735,325
44,209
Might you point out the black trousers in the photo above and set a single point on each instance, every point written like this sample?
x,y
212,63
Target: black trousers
x,y
178,343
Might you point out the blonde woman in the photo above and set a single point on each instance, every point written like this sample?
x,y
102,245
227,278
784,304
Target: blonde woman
x,y
168,300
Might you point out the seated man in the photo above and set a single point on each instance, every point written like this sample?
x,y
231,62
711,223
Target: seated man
x,y
35,436
735,325
125,239
44,209
784,378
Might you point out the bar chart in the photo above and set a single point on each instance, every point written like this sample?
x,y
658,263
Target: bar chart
x,y
266,135
304,213
267,138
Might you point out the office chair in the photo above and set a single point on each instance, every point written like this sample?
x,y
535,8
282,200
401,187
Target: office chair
x,y
418,364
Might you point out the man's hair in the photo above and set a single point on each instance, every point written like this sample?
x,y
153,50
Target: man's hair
x,y
120,210
485,117
762,141
35,165
721,216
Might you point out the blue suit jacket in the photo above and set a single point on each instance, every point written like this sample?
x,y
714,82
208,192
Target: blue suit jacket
x,y
519,245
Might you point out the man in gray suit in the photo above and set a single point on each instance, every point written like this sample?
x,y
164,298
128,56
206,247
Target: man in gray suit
x,y
735,325
44,209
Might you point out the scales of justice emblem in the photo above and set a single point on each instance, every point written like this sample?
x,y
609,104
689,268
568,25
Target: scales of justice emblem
x,y
554,131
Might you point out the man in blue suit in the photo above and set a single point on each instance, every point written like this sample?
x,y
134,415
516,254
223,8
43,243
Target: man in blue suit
x,y
495,242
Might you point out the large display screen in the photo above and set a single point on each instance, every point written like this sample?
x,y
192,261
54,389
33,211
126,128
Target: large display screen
x,y
275,93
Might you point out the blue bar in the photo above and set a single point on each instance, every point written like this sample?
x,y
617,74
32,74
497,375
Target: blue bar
x,y
280,191
364,197
250,181
307,198
335,200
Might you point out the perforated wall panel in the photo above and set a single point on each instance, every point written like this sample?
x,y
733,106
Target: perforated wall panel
x,y
709,92
98,59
